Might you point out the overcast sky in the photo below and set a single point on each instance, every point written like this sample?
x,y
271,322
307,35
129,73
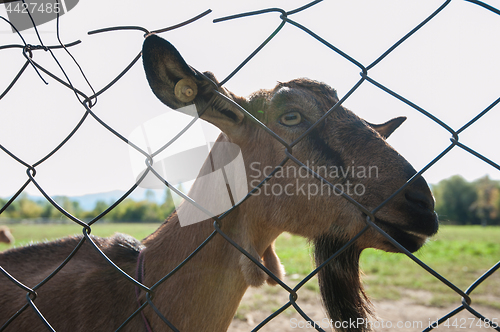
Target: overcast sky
x,y
450,68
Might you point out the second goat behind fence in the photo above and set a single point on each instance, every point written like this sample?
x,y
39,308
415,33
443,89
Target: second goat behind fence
x,y
88,294
6,235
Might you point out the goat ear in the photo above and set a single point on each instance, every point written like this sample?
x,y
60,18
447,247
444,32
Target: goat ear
x,y
177,84
386,129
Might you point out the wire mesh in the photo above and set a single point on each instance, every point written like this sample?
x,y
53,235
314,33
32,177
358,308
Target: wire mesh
x,y
87,103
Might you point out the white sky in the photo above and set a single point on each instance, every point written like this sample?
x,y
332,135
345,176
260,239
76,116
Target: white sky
x,y
450,68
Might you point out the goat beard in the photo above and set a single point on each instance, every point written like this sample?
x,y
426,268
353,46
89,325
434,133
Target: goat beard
x,y
340,285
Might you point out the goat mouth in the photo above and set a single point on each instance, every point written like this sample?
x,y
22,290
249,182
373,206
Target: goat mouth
x,y
410,239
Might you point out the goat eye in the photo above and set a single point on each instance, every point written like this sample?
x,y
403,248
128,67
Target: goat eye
x,y
291,119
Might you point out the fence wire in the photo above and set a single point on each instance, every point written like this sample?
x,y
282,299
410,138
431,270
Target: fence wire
x,y
87,103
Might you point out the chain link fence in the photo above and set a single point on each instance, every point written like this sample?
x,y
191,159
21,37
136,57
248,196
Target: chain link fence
x,y
87,103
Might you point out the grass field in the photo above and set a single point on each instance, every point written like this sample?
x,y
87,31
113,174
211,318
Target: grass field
x,y
459,253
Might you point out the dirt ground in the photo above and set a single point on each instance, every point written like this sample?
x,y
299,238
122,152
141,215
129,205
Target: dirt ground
x,y
402,315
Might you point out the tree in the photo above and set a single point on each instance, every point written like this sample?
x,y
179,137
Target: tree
x,y
454,198
23,208
168,205
486,204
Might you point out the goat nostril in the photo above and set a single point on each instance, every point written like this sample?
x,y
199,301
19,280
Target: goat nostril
x,y
421,200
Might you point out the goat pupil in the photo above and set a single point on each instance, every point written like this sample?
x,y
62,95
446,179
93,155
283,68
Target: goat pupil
x,y
291,119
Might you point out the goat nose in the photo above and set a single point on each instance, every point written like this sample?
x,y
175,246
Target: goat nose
x,y
420,203
419,195
420,200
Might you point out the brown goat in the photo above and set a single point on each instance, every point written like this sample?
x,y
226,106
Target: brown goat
x,y
203,295
6,235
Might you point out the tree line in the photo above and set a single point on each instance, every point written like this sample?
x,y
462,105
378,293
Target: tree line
x,y
128,210
458,202
461,202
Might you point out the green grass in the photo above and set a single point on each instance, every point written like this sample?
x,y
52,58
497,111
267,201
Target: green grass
x,y
461,254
